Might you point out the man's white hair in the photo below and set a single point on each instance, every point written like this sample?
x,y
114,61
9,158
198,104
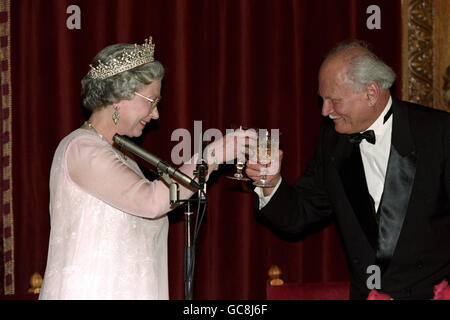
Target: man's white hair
x,y
366,67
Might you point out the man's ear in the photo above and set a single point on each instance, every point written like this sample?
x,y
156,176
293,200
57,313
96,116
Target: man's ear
x,y
372,93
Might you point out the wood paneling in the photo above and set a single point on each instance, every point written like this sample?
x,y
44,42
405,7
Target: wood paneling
x,y
426,54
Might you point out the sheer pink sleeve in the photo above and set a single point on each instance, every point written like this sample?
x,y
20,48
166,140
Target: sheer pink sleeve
x,y
98,170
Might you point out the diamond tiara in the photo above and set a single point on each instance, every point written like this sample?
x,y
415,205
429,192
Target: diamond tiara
x,y
129,59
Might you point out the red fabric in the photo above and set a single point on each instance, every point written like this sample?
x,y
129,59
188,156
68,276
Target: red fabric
x,y
251,62
310,291
442,291
336,291
375,295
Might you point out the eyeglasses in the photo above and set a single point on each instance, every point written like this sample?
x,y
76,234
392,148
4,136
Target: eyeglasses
x,y
153,102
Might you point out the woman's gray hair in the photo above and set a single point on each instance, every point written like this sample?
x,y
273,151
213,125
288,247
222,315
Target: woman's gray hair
x,y
366,68
98,93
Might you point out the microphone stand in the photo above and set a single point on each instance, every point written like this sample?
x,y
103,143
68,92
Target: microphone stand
x,y
189,255
189,250
164,171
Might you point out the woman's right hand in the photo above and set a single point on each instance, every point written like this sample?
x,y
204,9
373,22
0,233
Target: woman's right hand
x,y
233,145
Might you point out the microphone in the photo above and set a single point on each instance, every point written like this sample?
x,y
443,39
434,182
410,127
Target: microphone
x,y
201,169
154,160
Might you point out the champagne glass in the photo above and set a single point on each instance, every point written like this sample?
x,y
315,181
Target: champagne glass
x,y
238,174
240,164
267,147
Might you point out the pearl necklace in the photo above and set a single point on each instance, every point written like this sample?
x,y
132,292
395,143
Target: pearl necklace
x,y
92,128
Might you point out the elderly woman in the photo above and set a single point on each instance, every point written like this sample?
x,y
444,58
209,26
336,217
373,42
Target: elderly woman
x,y
109,224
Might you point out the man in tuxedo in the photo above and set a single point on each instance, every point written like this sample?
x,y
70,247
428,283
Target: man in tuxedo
x,y
381,170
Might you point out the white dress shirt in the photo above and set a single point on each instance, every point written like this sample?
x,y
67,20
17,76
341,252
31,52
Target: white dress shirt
x,y
374,157
263,200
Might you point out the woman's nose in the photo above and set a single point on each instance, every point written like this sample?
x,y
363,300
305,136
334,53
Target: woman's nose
x,y
155,114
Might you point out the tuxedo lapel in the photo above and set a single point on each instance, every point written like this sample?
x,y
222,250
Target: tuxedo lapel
x,y
398,185
353,178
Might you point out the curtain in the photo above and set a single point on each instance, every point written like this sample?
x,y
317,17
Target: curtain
x,y
249,62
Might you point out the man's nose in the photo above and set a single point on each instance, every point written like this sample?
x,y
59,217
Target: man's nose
x,y
327,107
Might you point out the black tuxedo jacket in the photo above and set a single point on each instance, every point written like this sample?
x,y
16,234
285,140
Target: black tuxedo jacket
x,y
409,236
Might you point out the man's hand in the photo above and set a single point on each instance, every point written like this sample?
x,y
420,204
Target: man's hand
x,y
255,170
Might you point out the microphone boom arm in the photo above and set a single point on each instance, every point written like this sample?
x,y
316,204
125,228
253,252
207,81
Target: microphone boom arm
x,y
163,167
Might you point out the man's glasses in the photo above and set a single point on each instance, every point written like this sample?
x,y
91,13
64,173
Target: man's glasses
x,y
153,102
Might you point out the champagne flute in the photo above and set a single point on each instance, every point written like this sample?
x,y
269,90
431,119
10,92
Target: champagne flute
x,y
267,146
240,164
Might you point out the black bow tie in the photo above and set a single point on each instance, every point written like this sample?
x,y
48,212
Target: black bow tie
x,y
356,138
